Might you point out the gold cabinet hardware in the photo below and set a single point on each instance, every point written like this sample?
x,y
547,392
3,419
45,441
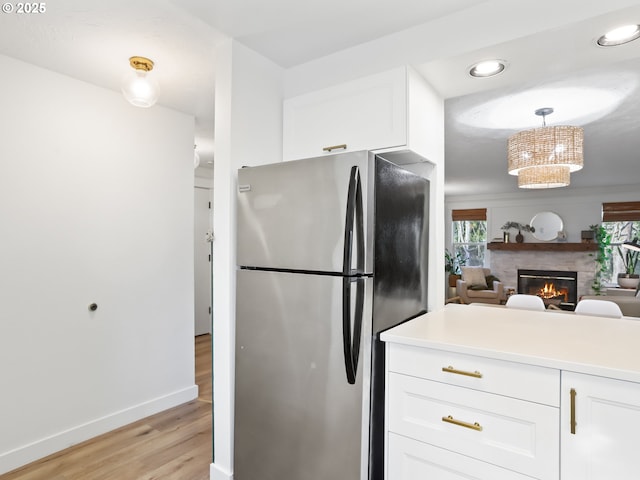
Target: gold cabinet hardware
x,y
473,426
335,147
573,394
450,369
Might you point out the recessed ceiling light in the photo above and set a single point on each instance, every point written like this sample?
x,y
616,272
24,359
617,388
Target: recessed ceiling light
x,y
487,68
619,36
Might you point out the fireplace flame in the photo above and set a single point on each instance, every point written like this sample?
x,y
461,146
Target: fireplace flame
x,y
548,291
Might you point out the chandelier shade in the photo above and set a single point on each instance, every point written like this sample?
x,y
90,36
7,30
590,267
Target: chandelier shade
x,y
544,177
556,146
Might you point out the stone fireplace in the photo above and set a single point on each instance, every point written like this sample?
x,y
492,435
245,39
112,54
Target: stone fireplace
x,y
506,259
556,287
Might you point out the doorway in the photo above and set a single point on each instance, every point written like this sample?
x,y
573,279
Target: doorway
x,y
202,261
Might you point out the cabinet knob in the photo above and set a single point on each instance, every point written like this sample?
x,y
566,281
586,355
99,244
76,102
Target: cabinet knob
x,y
93,307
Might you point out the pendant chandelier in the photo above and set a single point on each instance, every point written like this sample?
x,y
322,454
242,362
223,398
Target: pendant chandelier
x,y
544,157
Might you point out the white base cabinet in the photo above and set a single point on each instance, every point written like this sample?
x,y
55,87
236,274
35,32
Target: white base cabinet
x,y
604,443
462,413
452,416
474,392
389,110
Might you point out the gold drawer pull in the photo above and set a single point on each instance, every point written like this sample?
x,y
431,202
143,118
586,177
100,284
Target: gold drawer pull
x,y
450,369
335,147
473,426
573,411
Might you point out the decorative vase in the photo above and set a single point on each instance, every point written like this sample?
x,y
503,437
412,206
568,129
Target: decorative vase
x,y
505,237
628,280
519,237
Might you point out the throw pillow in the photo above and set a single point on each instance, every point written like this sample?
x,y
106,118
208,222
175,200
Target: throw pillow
x,y
474,276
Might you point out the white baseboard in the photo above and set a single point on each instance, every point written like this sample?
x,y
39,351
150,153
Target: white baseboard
x,y
46,446
217,473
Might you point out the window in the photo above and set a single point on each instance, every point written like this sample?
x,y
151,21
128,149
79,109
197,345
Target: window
x,y
622,221
469,234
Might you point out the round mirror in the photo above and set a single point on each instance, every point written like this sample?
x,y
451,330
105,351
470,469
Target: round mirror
x,y
547,225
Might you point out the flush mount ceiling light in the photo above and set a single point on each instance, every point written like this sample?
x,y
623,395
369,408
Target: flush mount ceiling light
x,y
487,68
620,36
543,157
138,86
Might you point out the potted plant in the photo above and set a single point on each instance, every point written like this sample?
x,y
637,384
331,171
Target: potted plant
x,y
630,254
452,264
520,227
603,256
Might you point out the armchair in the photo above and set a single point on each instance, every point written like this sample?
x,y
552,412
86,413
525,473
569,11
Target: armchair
x,y
469,287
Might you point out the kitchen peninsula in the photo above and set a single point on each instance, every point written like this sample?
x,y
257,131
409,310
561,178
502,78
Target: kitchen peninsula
x,y
497,393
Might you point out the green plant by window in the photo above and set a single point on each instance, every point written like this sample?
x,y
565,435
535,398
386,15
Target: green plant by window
x,y
620,232
453,263
629,258
603,257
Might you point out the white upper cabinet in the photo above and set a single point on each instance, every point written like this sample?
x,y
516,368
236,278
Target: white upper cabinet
x,y
389,110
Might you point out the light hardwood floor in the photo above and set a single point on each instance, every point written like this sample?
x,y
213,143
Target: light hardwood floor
x,y
171,445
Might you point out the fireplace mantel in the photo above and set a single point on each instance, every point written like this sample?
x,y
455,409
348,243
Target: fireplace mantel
x,y
543,246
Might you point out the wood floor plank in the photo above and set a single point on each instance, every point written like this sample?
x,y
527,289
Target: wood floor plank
x,y
172,445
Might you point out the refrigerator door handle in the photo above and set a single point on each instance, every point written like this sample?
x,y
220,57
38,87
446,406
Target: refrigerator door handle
x,y
357,327
354,216
350,368
351,338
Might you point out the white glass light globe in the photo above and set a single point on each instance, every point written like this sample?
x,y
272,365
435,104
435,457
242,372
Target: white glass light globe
x,y
140,88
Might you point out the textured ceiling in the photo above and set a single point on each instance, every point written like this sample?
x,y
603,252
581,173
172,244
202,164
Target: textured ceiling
x,y
294,32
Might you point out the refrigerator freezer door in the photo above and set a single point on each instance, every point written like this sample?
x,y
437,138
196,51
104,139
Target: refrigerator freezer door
x,y
401,245
400,280
292,215
296,415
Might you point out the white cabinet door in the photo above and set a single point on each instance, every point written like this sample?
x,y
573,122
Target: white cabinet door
x,y
607,422
364,114
413,460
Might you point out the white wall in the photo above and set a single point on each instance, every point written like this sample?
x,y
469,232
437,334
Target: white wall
x,y
96,205
578,208
432,135
248,132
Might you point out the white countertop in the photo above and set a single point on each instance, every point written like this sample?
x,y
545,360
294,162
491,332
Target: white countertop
x,y
594,345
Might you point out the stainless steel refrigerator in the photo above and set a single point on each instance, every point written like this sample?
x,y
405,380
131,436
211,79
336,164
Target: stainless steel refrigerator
x,y
331,251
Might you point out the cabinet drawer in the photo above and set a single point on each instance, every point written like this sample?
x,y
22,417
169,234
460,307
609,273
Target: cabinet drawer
x,y
513,434
413,460
518,380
